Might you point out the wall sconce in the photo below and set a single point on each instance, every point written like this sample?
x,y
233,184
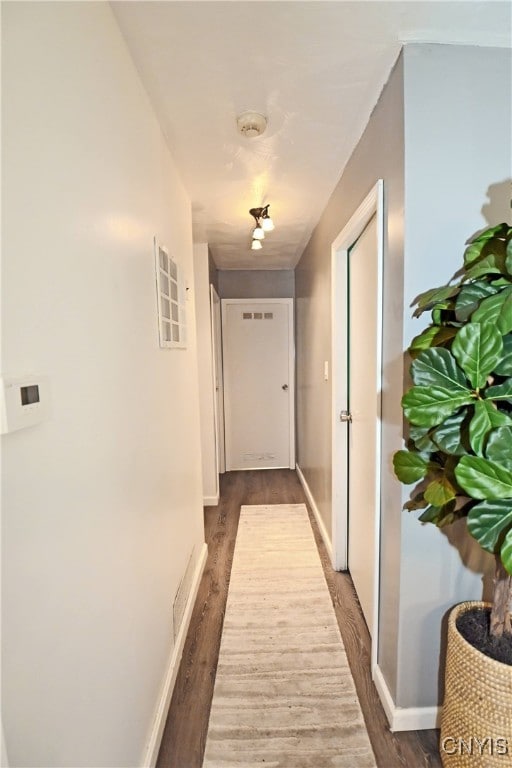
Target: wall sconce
x,y
263,224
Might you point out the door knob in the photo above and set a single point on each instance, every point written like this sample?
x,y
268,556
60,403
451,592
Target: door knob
x,y
285,386
345,416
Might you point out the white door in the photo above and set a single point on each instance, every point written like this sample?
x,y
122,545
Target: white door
x,y
218,395
364,408
258,359
357,267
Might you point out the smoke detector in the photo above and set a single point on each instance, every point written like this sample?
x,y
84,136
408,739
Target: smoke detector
x,y
251,124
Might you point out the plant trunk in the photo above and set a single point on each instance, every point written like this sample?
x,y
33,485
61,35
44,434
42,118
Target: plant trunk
x,y
501,604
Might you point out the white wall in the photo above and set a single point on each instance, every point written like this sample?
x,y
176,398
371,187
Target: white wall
x,y
205,369
4,761
102,503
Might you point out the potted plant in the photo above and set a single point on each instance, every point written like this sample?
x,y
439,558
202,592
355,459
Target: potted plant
x,y
459,451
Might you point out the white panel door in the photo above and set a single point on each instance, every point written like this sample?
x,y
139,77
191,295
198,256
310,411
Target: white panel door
x,y
364,407
258,359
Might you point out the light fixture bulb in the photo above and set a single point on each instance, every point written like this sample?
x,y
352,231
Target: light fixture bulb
x,y
256,245
267,224
258,233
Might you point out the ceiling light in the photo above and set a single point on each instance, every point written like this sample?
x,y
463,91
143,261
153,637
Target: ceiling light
x,y
251,124
263,224
262,218
267,224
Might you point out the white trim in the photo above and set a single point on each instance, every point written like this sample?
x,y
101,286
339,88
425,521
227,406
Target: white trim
x,y
315,510
218,394
291,376
162,709
404,718
373,204
213,384
210,501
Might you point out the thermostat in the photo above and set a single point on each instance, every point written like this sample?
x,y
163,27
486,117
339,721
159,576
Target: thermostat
x,y
24,402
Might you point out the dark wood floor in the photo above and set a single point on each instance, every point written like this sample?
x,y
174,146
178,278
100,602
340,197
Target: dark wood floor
x,y
187,724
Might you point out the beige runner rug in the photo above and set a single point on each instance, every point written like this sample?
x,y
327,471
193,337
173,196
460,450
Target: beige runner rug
x,y
284,696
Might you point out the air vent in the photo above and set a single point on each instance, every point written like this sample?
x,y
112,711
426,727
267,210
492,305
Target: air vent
x,y
180,600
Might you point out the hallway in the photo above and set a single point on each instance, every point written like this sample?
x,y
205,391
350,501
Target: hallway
x,y
187,724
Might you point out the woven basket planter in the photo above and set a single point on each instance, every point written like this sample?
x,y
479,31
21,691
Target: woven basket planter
x,y
476,723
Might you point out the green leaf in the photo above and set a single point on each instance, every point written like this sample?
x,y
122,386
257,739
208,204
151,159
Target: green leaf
x,y
448,436
505,318
439,492
488,520
500,391
506,552
485,418
445,335
483,479
425,339
439,516
417,502
438,368
433,336
499,230
504,366
427,299
499,446
473,252
496,309
421,438
409,467
508,257
469,298
483,242
429,406
439,311
477,347
492,264
430,515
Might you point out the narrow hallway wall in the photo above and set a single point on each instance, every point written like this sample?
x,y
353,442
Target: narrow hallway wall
x,y
379,154
101,506
445,168
256,283
457,181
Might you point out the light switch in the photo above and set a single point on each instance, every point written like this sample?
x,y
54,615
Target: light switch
x,y
326,370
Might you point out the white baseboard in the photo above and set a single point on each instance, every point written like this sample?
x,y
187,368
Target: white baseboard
x,y
153,746
210,501
404,718
316,511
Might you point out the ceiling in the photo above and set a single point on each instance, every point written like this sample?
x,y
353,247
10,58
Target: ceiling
x,y
314,69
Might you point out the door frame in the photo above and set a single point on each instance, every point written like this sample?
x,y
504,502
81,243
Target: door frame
x,y
372,205
291,364
218,381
